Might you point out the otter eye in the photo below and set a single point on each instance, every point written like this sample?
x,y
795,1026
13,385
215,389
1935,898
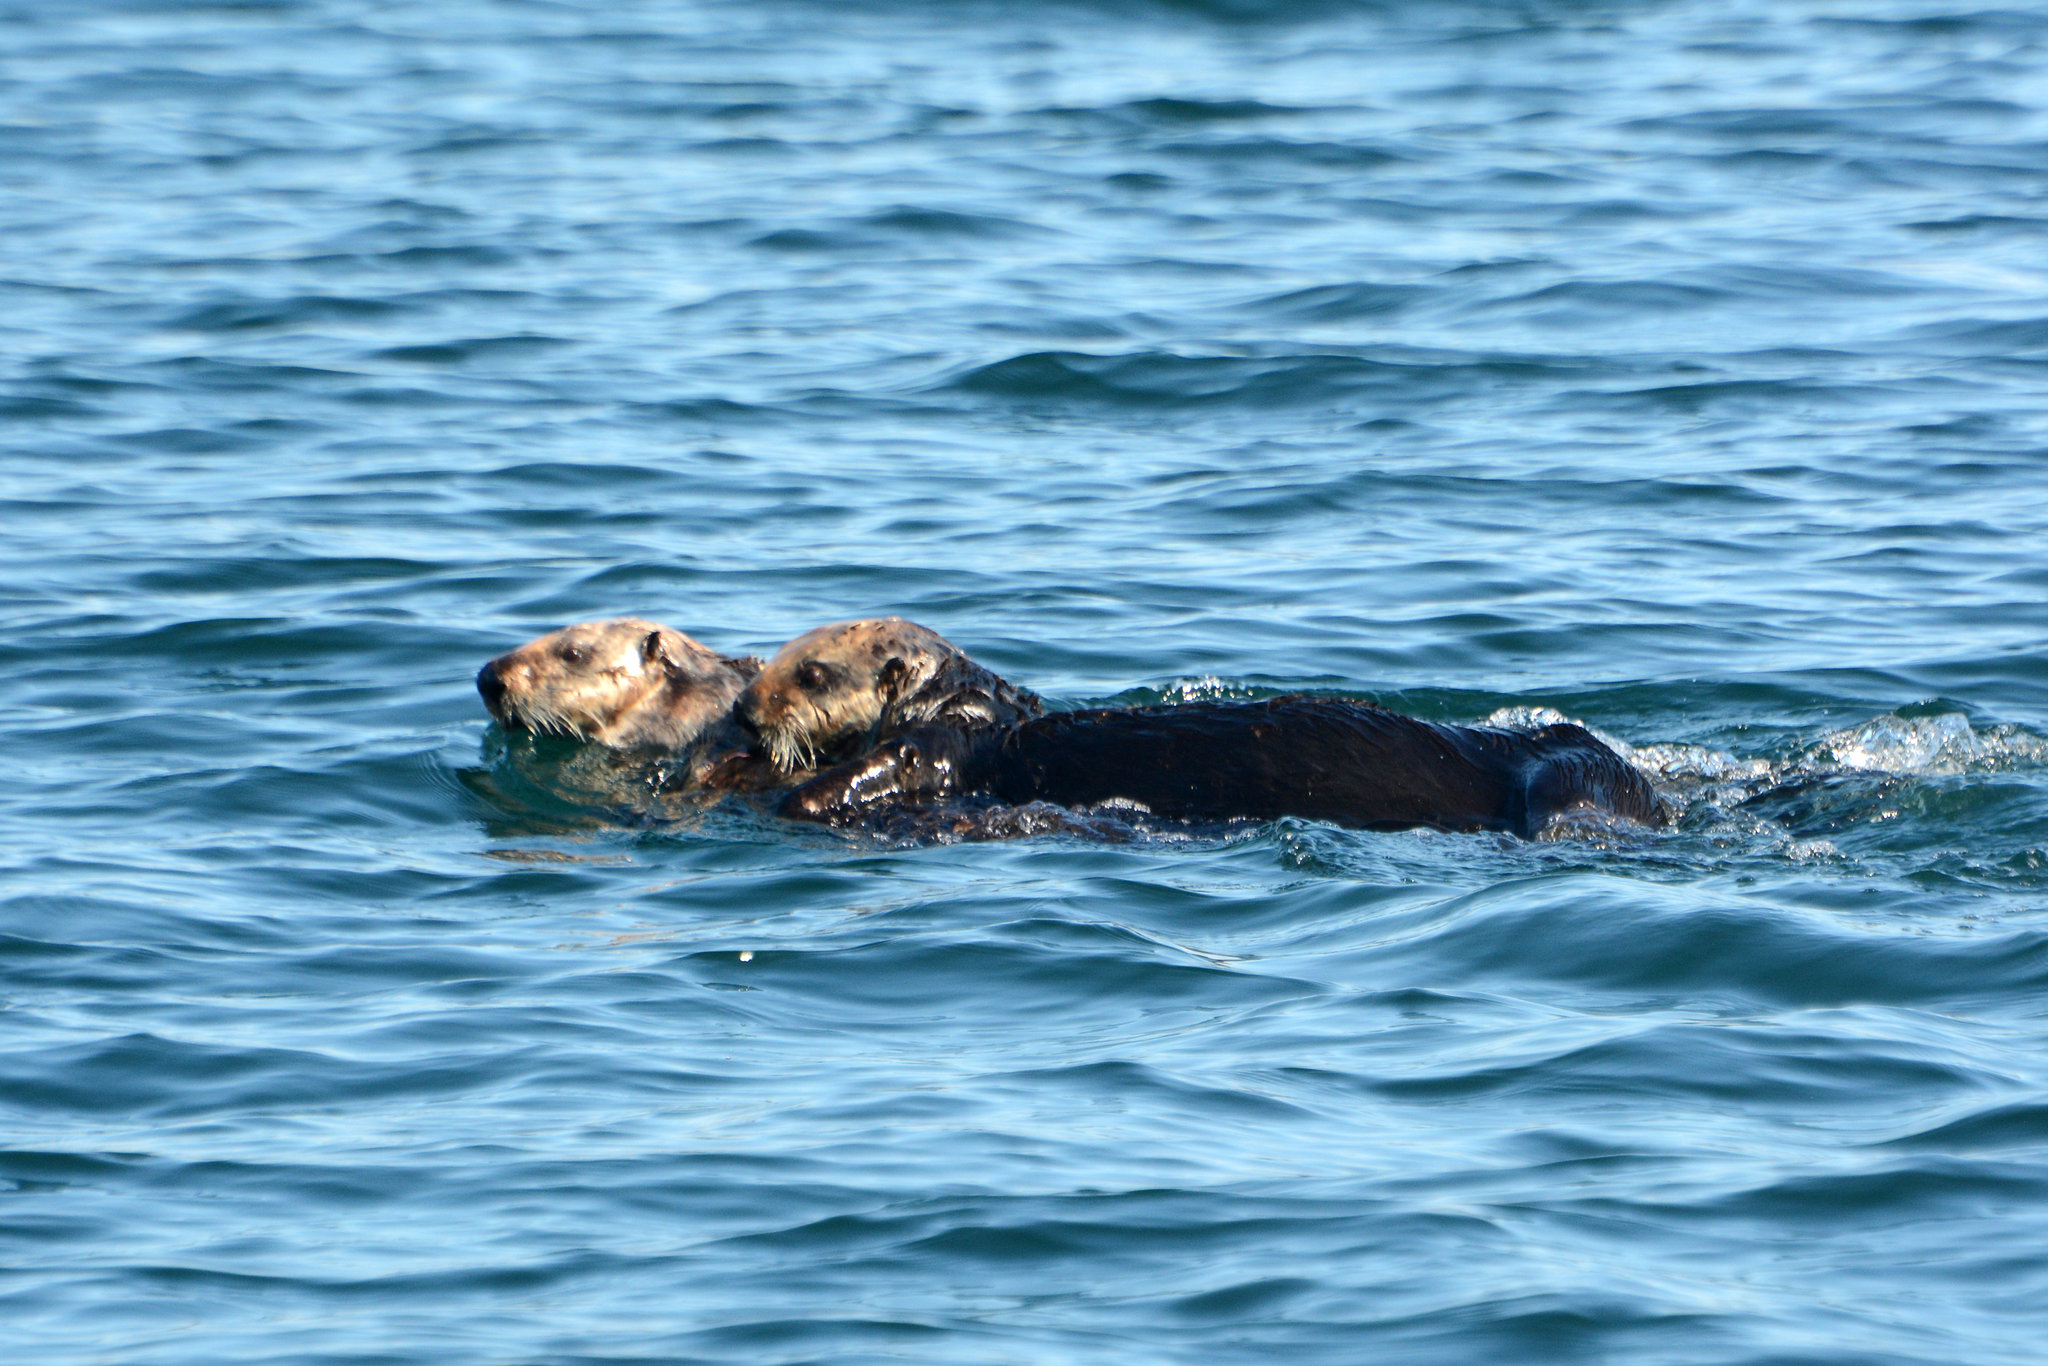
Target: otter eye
x,y
811,676
575,654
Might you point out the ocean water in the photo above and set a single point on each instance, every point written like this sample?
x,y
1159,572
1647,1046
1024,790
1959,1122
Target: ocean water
x,y
1679,368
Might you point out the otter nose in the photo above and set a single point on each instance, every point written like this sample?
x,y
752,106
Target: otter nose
x,y
491,684
746,711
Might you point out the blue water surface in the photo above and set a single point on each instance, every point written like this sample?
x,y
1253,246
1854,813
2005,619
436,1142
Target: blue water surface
x,y
1670,366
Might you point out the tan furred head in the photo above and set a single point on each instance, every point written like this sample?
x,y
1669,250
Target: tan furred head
x,y
836,691
627,683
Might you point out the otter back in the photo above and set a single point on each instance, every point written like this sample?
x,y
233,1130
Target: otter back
x,y
1349,763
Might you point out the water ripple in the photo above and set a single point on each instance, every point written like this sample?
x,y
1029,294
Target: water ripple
x,y
1672,368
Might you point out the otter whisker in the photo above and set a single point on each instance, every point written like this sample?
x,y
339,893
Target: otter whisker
x,y
552,722
790,751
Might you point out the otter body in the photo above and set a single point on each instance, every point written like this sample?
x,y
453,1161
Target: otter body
x,y
1349,763
932,727
837,691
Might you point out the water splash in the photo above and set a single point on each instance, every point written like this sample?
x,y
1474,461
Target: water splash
x,y
1208,688
1925,744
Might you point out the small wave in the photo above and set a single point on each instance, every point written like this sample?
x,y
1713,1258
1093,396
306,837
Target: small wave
x,y
1207,689
466,349
1166,110
1339,303
1527,718
1929,744
2010,1124
1158,379
2003,340
894,228
242,315
1945,743
915,221
1267,153
1224,14
1840,798
1605,935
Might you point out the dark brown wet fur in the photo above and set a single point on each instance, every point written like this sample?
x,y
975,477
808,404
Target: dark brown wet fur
x,y
1349,763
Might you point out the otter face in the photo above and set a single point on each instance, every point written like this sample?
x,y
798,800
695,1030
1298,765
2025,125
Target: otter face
x,y
839,689
627,683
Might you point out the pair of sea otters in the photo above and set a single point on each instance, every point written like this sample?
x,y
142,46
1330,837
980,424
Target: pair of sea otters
x,y
869,722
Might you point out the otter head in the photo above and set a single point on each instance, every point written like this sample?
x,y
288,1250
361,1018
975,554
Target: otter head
x,y
627,683
836,691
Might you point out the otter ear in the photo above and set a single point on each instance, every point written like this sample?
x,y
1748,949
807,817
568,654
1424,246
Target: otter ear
x,y
653,648
890,679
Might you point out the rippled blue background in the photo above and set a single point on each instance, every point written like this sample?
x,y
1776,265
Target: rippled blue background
x,y
1677,367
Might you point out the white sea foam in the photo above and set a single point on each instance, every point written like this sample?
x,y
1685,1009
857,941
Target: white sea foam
x,y
1926,744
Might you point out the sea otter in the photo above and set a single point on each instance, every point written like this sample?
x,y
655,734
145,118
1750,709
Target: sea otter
x,y
631,685
1349,763
839,690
